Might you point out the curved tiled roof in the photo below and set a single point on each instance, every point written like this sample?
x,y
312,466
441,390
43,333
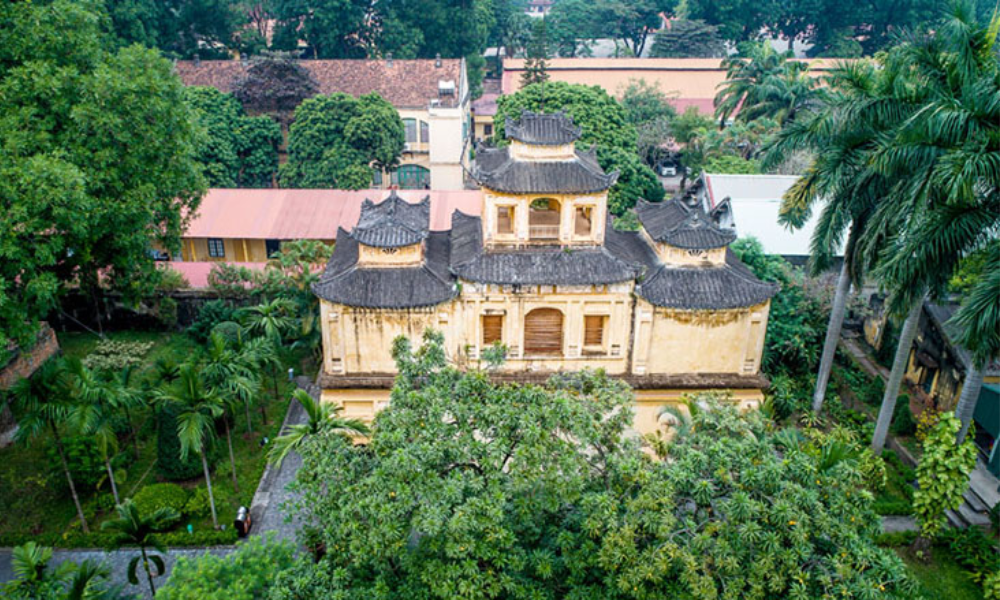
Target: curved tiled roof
x,y
540,129
549,265
392,223
429,284
674,223
705,288
496,170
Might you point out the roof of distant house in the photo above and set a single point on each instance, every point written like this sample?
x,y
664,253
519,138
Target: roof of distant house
x,y
687,81
404,83
552,129
291,214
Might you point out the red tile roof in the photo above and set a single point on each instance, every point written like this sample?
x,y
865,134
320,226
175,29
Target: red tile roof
x,y
291,214
405,84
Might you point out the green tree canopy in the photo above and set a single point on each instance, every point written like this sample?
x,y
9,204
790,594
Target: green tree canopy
x,y
604,122
236,150
96,161
761,82
180,28
688,39
245,574
470,489
336,139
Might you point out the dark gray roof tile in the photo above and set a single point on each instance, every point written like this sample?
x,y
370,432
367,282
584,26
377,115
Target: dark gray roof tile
x,y
494,169
674,223
553,129
392,223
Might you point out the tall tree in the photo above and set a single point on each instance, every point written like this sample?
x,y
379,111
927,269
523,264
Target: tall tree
x,y
198,408
34,580
330,28
134,529
603,122
337,139
631,21
274,84
684,38
95,413
536,64
737,20
96,161
761,82
43,403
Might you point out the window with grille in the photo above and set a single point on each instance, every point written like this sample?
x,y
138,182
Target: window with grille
x,y
492,329
412,177
377,177
216,248
543,332
410,125
593,331
425,132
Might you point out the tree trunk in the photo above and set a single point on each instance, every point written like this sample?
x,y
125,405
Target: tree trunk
x,y
111,478
208,483
899,363
967,401
135,434
149,576
246,404
832,337
232,459
69,477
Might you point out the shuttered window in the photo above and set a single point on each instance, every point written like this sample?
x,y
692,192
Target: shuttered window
x,y
543,332
505,220
492,329
593,330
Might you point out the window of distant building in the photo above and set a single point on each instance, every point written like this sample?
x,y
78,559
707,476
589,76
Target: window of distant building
x,y
505,220
593,333
425,132
272,247
412,177
377,178
488,129
216,248
411,130
492,329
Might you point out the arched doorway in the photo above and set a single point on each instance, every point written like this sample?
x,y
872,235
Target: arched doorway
x,y
543,219
543,332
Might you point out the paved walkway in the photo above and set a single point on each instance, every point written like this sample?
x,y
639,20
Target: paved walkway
x,y
269,516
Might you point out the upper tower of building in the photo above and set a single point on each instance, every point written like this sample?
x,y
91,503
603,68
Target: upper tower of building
x,y
539,189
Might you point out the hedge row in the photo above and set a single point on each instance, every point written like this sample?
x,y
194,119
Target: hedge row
x,y
106,540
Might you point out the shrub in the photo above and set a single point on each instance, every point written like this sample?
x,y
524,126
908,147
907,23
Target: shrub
x,y
115,355
902,417
171,281
246,574
229,331
166,312
211,314
198,504
168,448
208,537
153,497
896,539
943,474
84,460
925,422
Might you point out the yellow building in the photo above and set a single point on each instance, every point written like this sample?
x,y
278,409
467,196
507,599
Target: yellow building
x,y
669,308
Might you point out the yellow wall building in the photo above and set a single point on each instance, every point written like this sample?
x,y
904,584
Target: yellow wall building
x,y
669,308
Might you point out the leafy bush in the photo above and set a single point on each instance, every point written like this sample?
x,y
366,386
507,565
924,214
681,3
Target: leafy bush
x,y
786,396
153,497
115,355
168,448
198,504
233,281
84,460
246,574
228,330
106,541
896,539
926,421
211,314
166,312
171,281
902,417
943,474
974,550
208,537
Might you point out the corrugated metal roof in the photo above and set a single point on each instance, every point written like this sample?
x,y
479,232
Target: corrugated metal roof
x,y
289,214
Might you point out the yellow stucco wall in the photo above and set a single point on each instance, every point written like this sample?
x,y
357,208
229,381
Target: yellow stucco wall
x,y
671,341
522,234
389,257
237,250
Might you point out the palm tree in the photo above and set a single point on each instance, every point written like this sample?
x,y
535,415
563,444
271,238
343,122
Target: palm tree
x,y
67,581
128,398
946,158
225,371
761,82
864,99
138,530
322,417
42,402
271,321
199,407
94,413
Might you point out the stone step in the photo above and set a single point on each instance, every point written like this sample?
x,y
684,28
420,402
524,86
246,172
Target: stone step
x,y
955,519
984,484
971,516
974,501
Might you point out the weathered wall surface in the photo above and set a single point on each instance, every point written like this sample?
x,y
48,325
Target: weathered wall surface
x,y
25,362
674,341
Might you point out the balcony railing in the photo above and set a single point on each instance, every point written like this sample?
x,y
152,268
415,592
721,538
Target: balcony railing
x,y
543,232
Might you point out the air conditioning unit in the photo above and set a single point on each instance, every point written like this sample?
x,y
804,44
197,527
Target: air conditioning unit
x,y
407,147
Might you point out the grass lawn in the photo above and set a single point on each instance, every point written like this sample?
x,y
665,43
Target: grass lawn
x,y
33,490
942,578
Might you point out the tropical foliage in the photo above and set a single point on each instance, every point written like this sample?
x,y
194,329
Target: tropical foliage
x,y
943,474
136,529
248,573
760,82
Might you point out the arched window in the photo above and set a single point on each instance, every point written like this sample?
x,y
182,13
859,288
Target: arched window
x,y
543,332
543,219
412,177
